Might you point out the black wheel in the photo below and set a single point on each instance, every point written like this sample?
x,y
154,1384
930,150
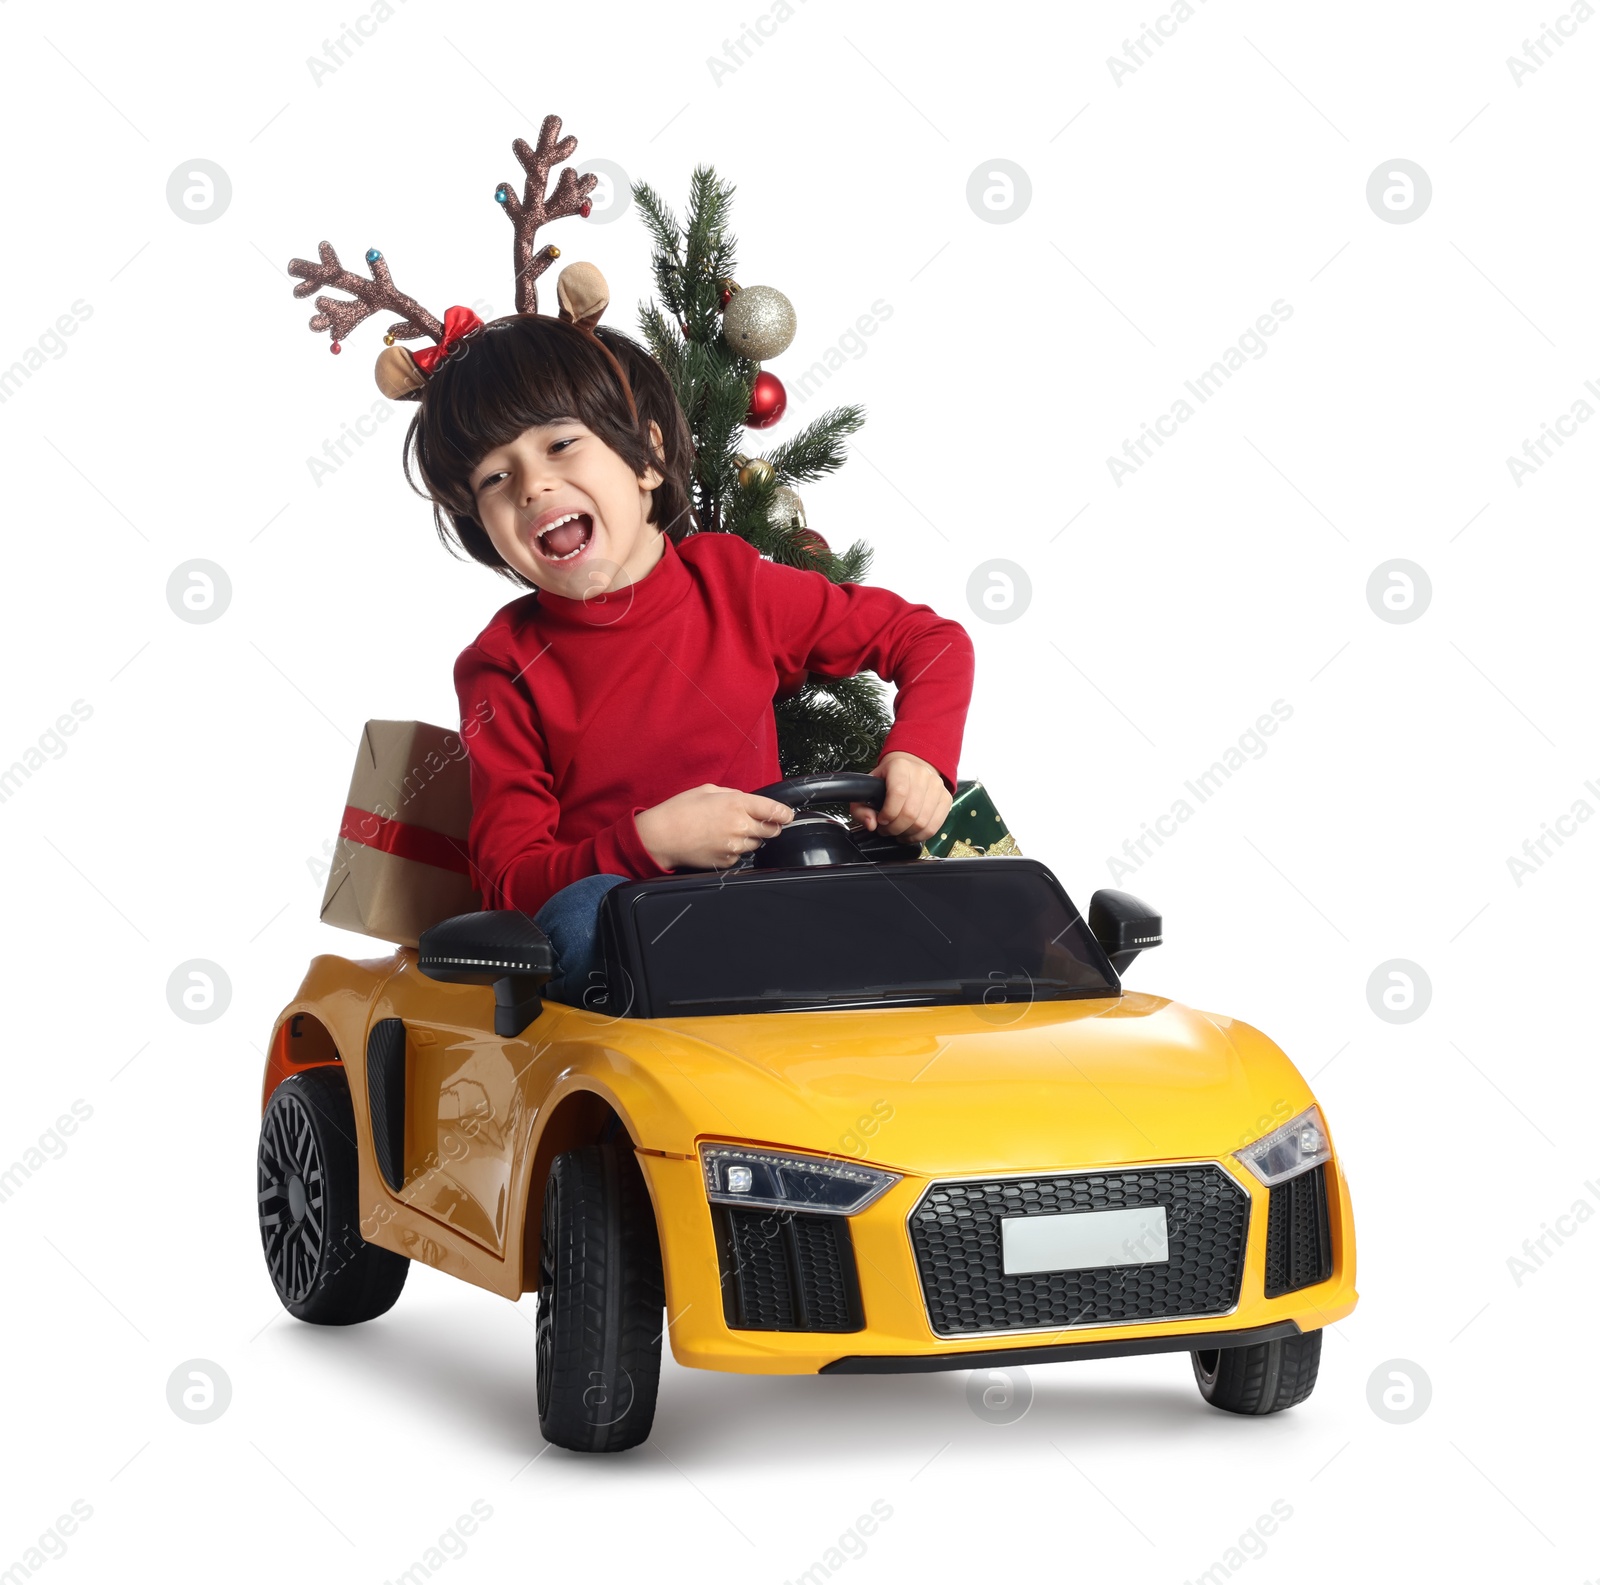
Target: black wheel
x,y
600,1302
309,1206
1261,1378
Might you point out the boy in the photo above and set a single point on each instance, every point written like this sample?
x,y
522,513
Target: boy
x,y
627,702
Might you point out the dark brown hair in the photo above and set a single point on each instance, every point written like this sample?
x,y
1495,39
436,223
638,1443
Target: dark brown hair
x,y
531,369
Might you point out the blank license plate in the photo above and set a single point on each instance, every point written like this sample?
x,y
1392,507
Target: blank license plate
x,y
1084,1240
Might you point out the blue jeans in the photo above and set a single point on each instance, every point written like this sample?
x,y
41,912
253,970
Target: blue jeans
x,y
571,919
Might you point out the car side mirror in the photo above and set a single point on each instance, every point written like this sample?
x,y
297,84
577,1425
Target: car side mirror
x,y
502,948
1123,926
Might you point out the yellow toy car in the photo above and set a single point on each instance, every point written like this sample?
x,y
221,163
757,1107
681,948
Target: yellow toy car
x,y
841,1108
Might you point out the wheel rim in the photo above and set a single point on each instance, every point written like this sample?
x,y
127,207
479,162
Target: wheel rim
x,y
544,1321
289,1195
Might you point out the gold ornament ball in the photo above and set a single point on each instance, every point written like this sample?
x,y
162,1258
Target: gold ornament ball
x,y
787,509
754,471
758,322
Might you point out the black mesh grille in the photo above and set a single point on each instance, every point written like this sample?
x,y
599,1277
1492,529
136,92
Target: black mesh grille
x,y
386,1096
955,1233
1299,1242
787,1272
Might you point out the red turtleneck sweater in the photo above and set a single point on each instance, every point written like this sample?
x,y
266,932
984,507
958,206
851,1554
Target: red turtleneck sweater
x,y
578,715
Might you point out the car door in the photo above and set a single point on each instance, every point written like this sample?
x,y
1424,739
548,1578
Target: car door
x,y
468,1100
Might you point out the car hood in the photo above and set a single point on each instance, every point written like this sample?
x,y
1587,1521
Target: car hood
x,y
943,1090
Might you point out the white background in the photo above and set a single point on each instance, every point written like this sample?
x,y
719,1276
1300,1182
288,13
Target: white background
x,y
186,816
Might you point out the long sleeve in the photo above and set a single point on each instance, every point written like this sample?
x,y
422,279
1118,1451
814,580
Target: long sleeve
x,y
839,629
516,857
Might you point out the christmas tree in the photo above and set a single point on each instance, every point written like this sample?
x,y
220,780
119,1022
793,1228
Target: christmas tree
x,y
710,337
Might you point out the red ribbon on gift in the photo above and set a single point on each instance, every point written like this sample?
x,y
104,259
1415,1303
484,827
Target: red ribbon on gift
x,y
404,841
458,323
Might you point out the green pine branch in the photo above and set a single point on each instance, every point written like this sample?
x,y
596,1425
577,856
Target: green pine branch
x,y
817,449
830,724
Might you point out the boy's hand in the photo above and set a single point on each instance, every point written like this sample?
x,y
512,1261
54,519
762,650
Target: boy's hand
x,y
709,827
916,802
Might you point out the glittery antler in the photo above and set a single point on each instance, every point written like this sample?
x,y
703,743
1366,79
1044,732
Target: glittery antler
x,y
379,295
570,196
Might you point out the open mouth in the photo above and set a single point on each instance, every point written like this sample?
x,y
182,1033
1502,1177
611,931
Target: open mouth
x,y
566,538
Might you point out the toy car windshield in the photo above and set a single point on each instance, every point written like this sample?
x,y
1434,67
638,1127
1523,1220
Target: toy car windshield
x,y
865,935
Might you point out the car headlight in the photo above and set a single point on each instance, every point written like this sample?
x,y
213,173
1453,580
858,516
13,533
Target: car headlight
x,y
740,1175
1302,1143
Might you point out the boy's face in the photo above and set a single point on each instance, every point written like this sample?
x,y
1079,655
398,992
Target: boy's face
x,y
566,511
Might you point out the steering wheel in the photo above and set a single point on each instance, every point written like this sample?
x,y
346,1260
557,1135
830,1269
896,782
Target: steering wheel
x,y
801,792
811,839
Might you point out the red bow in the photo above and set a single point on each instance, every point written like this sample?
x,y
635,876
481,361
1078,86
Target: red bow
x,y
458,323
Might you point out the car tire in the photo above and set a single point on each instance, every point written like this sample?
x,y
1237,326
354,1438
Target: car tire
x,y
599,1320
1260,1378
308,1203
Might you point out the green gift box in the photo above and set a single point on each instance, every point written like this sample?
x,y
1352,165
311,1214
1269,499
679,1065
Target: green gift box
x,y
972,829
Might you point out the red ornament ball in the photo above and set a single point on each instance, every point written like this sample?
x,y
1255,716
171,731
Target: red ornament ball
x,y
584,208
725,296
767,401
813,541
335,348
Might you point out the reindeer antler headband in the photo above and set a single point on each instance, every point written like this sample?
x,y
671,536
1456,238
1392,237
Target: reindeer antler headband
x,y
581,289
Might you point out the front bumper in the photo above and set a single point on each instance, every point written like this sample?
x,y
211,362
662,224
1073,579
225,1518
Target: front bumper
x,y
896,1333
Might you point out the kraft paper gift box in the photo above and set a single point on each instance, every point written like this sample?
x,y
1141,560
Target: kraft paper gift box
x,y
972,829
400,864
